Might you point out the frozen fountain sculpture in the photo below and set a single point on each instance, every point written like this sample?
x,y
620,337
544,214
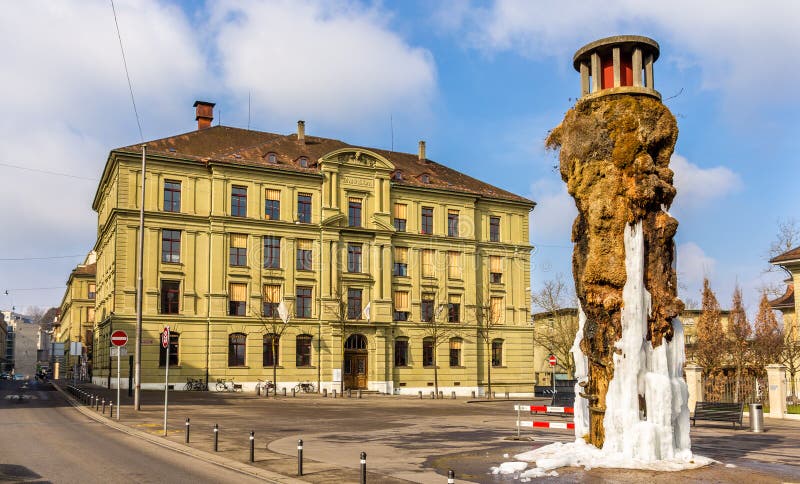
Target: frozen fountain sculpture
x,y
615,147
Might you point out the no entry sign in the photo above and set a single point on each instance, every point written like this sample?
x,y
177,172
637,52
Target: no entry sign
x,y
165,337
119,338
552,360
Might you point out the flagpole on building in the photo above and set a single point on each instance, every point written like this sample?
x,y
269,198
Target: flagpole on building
x,y
137,375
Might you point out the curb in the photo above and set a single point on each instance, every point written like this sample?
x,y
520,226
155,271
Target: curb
x,y
208,457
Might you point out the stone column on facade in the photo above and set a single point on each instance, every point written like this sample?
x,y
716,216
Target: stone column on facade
x,y
617,66
386,267
335,190
648,72
776,378
636,64
595,59
694,380
584,78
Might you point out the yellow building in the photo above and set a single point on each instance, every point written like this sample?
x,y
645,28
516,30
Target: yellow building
x,y
238,222
789,307
76,322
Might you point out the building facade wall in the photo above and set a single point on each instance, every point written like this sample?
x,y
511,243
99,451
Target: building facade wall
x,y
207,229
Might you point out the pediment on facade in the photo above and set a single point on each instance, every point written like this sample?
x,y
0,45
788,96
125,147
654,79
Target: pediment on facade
x,y
357,157
336,220
383,222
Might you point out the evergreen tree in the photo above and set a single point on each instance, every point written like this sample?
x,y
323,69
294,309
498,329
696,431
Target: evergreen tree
x,y
738,340
768,341
711,341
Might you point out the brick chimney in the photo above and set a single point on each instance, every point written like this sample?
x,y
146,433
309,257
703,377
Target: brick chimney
x,y
421,151
301,131
204,114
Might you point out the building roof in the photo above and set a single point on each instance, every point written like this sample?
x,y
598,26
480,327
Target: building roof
x,y
789,255
786,301
85,270
235,146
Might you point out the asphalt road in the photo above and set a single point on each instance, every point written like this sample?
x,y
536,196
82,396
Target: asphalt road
x,y
44,439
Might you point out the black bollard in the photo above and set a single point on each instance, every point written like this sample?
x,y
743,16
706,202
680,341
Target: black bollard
x,y
300,457
216,437
252,446
451,477
363,468
420,394
293,392
111,410
359,393
104,406
324,392
187,430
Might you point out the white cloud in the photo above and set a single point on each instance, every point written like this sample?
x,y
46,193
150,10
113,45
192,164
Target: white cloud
x,y
554,213
693,266
723,39
697,186
322,61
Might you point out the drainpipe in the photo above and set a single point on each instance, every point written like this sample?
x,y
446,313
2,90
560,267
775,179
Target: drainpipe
x,y
208,303
319,288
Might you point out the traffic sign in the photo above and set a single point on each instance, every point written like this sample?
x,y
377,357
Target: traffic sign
x,y
165,337
119,351
552,360
119,338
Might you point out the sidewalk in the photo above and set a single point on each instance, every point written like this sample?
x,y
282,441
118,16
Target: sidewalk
x,y
412,440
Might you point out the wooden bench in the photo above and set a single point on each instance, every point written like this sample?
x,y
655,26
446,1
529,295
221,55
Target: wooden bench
x,y
719,412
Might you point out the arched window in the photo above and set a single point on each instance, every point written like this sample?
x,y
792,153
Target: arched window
x,y
272,158
236,349
455,352
303,351
356,342
497,352
174,339
271,344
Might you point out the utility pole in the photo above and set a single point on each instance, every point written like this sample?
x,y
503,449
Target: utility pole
x,y
137,402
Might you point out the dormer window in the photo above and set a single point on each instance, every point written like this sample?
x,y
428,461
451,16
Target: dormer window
x,y
397,176
272,158
425,178
303,162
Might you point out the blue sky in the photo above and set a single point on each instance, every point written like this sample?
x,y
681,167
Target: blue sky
x,y
481,82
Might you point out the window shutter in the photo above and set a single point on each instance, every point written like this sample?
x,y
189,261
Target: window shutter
x,y
454,264
401,255
454,298
496,310
455,344
401,301
427,262
304,244
452,212
355,199
238,292
239,241
272,293
273,194
496,264
400,211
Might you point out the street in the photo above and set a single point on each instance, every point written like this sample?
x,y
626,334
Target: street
x,y
44,439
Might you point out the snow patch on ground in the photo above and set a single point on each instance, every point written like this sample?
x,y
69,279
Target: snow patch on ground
x,y
510,468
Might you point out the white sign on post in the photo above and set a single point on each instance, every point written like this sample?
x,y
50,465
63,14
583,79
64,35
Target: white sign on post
x,y
165,344
337,374
118,339
117,351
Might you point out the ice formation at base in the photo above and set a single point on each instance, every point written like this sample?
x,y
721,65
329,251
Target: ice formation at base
x,y
654,436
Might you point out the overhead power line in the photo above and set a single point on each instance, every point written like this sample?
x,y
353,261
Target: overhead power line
x,y
34,288
48,172
127,75
5,259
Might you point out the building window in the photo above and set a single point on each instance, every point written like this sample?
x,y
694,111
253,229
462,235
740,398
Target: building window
x,y
304,208
272,252
271,345
302,302
495,269
452,223
428,267
303,161
356,342
272,204
354,212
353,257
401,352
455,352
90,315
172,196
353,303
303,350
92,291
494,229
454,265
427,352
170,297
236,349
454,308
304,255
272,158
239,202
238,250
426,226
425,178
174,339
401,306
171,246
400,216
400,267
426,307
497,352
496,310
272,298
237,304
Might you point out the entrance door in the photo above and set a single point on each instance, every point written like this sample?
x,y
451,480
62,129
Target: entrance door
x,y
355,362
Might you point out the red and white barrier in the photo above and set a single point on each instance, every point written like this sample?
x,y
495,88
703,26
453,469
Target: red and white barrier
x,y
543,408
548,425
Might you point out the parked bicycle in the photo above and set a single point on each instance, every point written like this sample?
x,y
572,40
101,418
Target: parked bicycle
x,y
195,384
306,387
264,387
224,385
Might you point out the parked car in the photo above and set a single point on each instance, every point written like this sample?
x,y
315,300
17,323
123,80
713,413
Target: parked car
x,y
5,376
19,377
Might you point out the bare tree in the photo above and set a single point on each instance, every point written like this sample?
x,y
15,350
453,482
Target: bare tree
x,y
556,334
485,319
790,357
274,317
337,308
787,238
738,339
35,313
768,341
438,326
